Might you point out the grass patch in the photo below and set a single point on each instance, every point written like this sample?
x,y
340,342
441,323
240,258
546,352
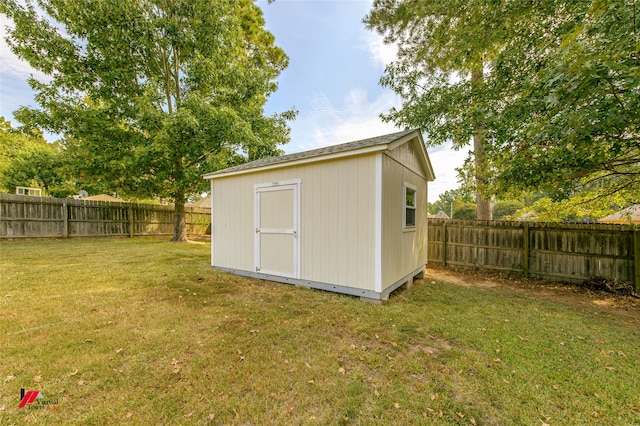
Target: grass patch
x,y
146,332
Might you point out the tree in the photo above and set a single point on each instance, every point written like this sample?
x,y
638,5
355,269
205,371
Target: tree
x,y
504,209
151,94
572,83
555,105
444,49
448,199
9,146
28,160
571,210
464,210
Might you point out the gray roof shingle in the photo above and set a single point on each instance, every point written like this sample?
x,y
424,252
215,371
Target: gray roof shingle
x,y
333,149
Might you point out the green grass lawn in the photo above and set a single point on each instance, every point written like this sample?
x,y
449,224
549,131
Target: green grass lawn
x,y
143,331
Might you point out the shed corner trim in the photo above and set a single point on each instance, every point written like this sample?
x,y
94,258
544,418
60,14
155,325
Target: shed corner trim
x,y
378,225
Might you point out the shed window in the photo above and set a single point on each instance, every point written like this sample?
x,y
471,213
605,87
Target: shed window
x,y
409,206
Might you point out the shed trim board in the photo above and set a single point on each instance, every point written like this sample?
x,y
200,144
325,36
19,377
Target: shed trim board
x,y
330,218
213,240
352,291
408,186
423,157
378,225
408,166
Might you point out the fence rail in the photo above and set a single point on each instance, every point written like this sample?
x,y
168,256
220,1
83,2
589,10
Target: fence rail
x,y
567,252
37,217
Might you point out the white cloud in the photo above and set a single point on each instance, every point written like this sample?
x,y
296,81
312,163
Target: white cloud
x,y
321,104
12,66
355,129
355,98
356,117
381,53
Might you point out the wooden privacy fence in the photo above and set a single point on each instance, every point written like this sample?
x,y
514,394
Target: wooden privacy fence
x,y
41,217
565,252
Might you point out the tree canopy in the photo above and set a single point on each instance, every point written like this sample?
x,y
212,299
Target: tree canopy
x,y
27,160
151,94
551,89
570,119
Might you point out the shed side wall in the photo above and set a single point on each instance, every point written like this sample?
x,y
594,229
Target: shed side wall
x,y
336,220
402,251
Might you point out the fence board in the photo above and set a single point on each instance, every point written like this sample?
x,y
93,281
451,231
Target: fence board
x,y
567,252
43,217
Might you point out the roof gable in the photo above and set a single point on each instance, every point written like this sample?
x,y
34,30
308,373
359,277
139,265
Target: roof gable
x,y
411,153
378,143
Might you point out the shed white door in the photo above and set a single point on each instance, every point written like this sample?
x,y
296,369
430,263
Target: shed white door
x,y
277,229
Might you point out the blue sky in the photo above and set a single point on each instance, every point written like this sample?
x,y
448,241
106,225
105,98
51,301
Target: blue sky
x,y
332,80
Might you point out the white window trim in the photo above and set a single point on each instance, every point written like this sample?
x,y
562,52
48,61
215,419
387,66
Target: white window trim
x,y
405,186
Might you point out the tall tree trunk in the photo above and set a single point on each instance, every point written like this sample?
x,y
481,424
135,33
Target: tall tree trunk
x,y
179,218
179,223
483,205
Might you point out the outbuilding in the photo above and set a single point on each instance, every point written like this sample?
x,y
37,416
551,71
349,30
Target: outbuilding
x,y
349,218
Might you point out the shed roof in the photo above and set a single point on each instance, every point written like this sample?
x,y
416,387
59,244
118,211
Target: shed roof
x,y
377,143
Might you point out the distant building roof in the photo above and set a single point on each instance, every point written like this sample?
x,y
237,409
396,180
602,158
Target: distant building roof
x,y
628,215
439,215
203,202
103,197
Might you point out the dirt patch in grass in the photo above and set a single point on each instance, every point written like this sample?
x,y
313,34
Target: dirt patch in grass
x,y
625,305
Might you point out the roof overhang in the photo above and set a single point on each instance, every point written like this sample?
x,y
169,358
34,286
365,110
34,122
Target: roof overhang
x,y
333,156
422,154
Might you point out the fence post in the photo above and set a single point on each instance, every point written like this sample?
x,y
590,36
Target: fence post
x,y
444,242
636,259
65,219
131,223
525,259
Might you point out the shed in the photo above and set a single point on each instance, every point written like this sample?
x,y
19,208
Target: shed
x,y
349,218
